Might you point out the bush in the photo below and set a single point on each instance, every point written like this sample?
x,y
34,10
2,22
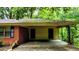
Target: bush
x,y
76,42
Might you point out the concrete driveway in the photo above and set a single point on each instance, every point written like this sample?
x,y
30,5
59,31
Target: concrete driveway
x,y
45,46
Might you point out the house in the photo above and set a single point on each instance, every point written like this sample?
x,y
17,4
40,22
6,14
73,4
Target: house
x,y
24,30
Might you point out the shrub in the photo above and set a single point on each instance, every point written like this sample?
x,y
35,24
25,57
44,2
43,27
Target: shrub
x,y
76,42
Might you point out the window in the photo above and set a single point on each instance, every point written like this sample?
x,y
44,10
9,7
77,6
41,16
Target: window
x,y
1,32
12,32
6,32
9,32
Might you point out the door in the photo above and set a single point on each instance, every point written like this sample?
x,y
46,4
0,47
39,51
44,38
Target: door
x,y
50,33
32,34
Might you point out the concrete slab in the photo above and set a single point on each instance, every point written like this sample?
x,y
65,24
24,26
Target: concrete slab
x,y
58,43
52,43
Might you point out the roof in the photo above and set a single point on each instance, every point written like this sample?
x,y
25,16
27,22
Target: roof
x,y
36,22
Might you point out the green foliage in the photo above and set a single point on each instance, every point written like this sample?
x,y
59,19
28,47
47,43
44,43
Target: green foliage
x,y
51,13
76,42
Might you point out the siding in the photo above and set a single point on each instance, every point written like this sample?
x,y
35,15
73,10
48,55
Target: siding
x,y
56,33
41,32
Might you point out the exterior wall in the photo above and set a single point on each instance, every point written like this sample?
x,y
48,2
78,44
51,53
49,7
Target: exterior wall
x,y
42,32
20,34
23,35
56,33
9,41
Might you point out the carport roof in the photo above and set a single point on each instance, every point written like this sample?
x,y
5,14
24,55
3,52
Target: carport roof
x,y
37,22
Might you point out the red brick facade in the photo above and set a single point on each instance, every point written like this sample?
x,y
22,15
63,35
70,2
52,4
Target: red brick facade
x,y
9,41
20,34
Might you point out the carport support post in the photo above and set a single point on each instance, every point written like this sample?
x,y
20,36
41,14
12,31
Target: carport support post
x,y
69,36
